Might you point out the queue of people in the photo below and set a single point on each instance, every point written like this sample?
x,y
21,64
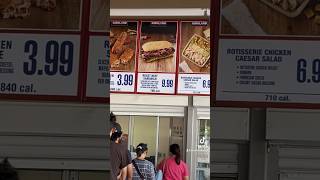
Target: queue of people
x,y
125,168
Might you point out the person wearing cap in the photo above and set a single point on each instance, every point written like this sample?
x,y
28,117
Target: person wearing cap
x,y
114,123
118,153
142,168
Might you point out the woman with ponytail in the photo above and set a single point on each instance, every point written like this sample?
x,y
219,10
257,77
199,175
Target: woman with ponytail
x,y
173,168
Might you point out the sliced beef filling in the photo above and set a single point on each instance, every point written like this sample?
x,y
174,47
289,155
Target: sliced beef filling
x,y
157,53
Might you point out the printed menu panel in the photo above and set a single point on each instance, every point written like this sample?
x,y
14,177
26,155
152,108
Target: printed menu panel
x,y
259,71
99,20
157,58
270,18
194,64
267,53
98,70
34,64
40,14
123,53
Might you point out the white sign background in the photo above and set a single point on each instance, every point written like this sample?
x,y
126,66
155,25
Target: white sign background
x,y
193,84
97,51
121,88
42,84
157,83
286,88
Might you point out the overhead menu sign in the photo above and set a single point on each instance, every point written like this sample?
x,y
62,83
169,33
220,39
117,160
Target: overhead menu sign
x,y
157,59
35,61
123,41
160,57
39,64
261,60
194,65
46,47
97,76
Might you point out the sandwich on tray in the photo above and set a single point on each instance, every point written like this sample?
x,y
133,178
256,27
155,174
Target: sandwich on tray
x,y
156,50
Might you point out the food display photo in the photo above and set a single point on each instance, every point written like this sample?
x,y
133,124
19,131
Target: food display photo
x,y
158,46
123,39
40,14
270,17
195,47
98,17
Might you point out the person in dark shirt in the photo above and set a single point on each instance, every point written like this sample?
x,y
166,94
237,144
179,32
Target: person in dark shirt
x,y
121,167
7,171
114,123
119,157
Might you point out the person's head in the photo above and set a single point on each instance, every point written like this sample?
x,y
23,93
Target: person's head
x,y
125,137
142,150
115,135
7,171
175,150
112,117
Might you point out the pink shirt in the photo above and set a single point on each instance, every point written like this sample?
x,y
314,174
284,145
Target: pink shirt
x,y
172,171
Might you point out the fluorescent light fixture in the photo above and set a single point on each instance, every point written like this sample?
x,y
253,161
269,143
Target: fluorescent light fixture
x,y
161,12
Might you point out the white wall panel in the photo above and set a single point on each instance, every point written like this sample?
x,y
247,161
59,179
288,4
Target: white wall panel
x,y
136,99
54,135
296,125
224,158
230,123
147,110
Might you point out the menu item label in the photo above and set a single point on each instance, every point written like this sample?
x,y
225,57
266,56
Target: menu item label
x,y
194,84
157,59
194,65
257,71
122,81
156,83
123,40
35,64
98,70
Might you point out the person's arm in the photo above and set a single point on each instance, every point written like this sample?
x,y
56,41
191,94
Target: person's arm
x,y
130,172
124,173
186,172
160,165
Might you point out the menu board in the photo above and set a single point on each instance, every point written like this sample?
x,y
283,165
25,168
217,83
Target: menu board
x,y
45,49
98,77
157,58
37,62
160,57
194,65
123,41
267,61
33,64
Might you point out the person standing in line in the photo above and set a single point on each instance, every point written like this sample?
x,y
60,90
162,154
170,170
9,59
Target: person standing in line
x,y
118,157
121,167
7,171
173,168
114,123
142,168
129,169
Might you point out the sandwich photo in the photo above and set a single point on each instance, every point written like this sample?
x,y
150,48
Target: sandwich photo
x,y
157,50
